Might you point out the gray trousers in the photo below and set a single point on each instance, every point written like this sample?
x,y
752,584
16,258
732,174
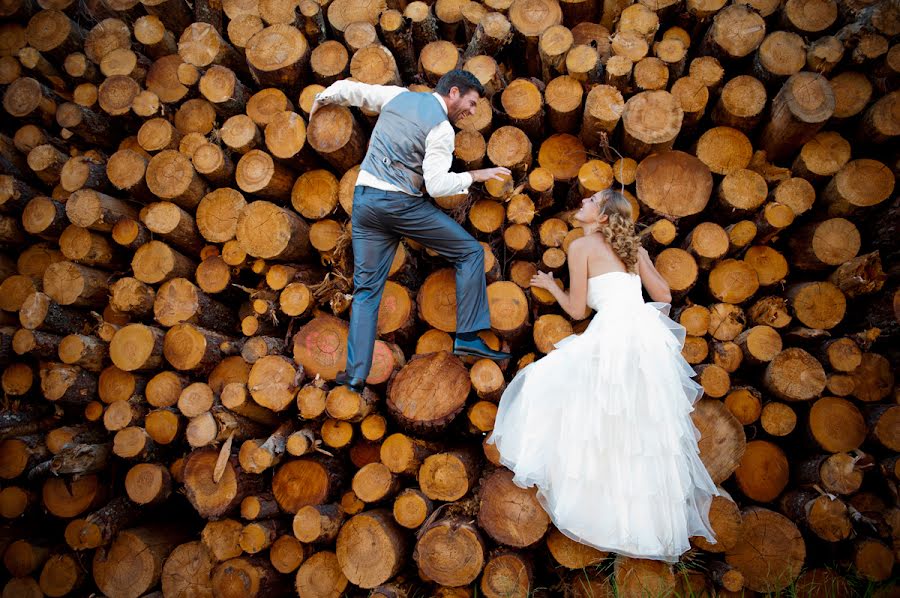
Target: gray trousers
x,y
380,219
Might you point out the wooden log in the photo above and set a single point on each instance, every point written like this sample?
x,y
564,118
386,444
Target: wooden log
x,y
523,103
138,551
880,420
14,194
403,454
735,32
179,300
15,289
725,520
741,103
493,33
838,473
69,283
685,178
455,568
257,172
155,262
129,295
808,17
173,225
272,68
530,20
824,244
794,375
636,576
125,170
858,184
188,570
437,59
284,237
158,134
329,61
117,93
318,523
797,117
97,211
448,476
817,305
336,136
148,483
878,122
69,498
502,504
780,55
321,576
452,386
761,571
61,575
412,508
46,162
98,528
171,176
211,498
39,311
189,347
86,124
821,157
309,480
716,424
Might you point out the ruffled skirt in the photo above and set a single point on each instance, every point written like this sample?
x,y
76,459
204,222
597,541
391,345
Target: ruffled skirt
x,y
602,427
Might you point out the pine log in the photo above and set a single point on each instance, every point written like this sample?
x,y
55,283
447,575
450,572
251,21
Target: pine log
x,y
416,378
736,31
803,104
719,428
320,576
770,551
838,473
509,514
858,184
457,567
309,480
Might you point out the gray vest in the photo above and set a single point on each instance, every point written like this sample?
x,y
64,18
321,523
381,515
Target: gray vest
x,y
397,145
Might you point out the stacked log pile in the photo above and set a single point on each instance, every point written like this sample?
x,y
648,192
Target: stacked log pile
x,y
175,286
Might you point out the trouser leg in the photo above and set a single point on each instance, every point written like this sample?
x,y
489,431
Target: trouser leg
x,y
426,224
373,253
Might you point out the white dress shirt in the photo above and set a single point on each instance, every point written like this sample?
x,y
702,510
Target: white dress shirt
x,y
439,144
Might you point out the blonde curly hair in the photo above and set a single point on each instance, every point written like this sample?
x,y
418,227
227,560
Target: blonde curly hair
x,y
619,230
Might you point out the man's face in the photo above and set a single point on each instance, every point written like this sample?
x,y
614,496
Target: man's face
x,y
461,105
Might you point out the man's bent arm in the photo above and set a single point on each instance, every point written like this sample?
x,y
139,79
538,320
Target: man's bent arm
x,y
439,181
360,95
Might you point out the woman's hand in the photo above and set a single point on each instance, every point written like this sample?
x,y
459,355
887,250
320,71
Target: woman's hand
x,y
544,280
642,254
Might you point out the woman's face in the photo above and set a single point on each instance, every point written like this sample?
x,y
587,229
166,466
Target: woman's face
x,y
589,213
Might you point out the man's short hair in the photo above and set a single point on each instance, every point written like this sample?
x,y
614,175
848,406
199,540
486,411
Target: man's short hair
x,y
462,80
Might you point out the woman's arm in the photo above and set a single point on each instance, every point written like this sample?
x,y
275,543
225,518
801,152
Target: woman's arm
x,y
574,302
656,285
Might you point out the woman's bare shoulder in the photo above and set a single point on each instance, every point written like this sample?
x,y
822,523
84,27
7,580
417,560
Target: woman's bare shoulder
x,y
593,245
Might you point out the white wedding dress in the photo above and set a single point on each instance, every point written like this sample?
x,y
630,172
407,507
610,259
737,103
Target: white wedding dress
x,y
602,427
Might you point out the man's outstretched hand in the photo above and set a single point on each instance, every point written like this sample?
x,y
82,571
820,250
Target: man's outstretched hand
x,y
487,174
315,106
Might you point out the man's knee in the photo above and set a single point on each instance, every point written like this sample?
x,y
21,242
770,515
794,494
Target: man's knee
x,y
473,253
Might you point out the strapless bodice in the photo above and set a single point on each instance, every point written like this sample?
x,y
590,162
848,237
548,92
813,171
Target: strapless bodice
x,y
614,288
